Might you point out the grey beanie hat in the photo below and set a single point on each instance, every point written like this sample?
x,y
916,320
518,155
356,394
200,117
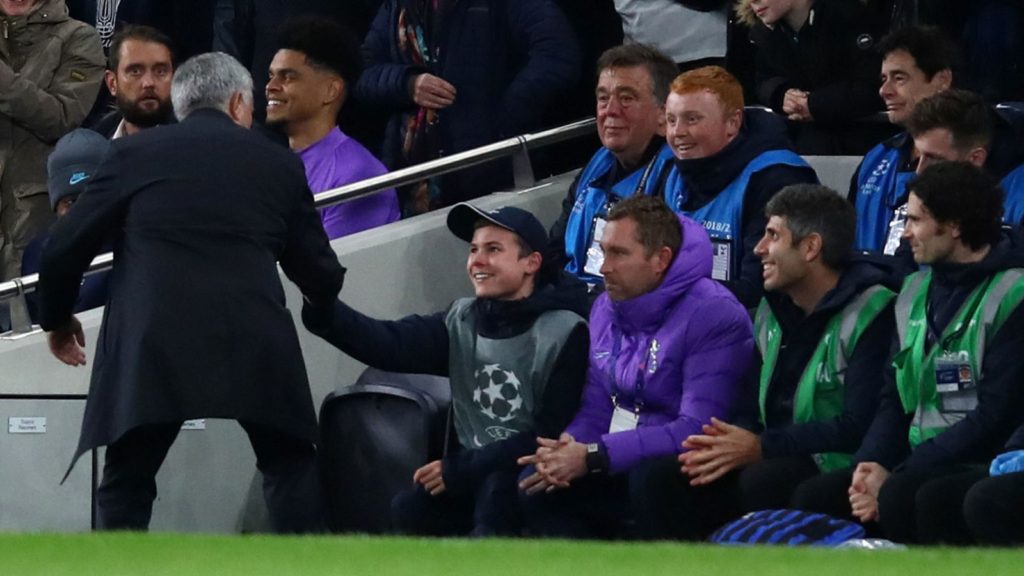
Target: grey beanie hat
x,y
73,162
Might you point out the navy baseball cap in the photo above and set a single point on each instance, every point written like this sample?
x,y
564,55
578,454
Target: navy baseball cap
x,y
73,162
463,218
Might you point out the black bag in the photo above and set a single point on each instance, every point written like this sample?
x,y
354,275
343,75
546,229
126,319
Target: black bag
x,y
373,436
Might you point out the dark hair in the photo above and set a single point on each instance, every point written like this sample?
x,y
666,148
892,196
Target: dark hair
x,y
660,67
326,43
524,249
961,192
932,49
816,209
656,224
965,114
139,33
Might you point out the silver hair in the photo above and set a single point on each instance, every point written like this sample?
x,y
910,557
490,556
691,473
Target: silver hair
x,y
208,81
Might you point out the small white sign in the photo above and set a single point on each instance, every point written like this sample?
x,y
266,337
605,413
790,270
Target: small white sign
x,y
199,424
26,425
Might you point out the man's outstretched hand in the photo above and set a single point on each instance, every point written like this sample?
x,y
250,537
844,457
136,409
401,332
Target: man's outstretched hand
x,y
67,341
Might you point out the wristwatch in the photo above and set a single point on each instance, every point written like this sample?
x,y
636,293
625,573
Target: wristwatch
x,y
597,458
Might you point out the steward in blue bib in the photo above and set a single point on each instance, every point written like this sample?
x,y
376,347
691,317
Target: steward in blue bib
x,y
727,192
1013,202
601,184
879,189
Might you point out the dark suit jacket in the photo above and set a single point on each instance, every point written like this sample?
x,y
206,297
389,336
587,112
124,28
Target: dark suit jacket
x,y
195,326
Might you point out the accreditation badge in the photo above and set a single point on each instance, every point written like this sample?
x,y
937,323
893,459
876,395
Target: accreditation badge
x,y
896,227
956,382
623,419
595,255
721,259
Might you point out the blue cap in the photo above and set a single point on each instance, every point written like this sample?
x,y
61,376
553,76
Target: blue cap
x,y
73,162
463,217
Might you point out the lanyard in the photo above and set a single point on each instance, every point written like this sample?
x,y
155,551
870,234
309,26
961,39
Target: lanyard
x,y
639,186
933,329
638,387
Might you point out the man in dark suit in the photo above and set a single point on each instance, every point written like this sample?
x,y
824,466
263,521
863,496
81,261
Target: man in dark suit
x,y
195,325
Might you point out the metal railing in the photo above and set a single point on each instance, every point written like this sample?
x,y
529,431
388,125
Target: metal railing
x,y
522,172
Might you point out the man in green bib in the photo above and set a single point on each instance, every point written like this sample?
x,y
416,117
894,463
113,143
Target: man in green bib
x,y
823,330
953,391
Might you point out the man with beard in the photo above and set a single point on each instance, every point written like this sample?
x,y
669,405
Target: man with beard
x,y
139,79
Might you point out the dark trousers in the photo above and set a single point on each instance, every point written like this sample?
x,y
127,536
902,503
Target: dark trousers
x,y
651,501
827,493
769,484
291,484
926,507
490,510
914,507
991,509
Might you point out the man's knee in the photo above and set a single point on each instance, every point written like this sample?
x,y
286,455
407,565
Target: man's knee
x,y
827,493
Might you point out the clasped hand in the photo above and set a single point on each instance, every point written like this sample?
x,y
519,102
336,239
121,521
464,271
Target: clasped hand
x,y
556,463
721,448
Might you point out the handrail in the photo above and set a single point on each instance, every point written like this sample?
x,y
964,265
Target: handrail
x,y
455,162
349,192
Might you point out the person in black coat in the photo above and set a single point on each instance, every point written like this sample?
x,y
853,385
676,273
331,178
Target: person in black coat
x,y
816,65
465,75
195,325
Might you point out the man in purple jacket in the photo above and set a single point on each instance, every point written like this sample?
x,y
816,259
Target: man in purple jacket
x,y
669,348
310,77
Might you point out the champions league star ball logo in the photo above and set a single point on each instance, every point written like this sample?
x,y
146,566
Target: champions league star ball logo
x,y
497,393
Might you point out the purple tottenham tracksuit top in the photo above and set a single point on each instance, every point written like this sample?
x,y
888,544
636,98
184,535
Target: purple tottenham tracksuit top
x,y
337,160
683,350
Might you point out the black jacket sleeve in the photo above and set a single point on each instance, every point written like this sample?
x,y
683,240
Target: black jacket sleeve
x,y
414,344
855,94
465,469
545,43
75,240
307,258
886,440
556,236
982,433
863,384
384,83
748,285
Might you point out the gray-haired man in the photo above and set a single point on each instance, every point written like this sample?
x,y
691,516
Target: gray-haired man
x,y
195,325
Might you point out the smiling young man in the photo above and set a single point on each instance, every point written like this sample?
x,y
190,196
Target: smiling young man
x,y
728,163
524,326
139,78
310,78
823,330
952,395
632,83
669,348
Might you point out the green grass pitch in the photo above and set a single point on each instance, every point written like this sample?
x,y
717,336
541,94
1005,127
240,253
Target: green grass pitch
x,y
167,554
